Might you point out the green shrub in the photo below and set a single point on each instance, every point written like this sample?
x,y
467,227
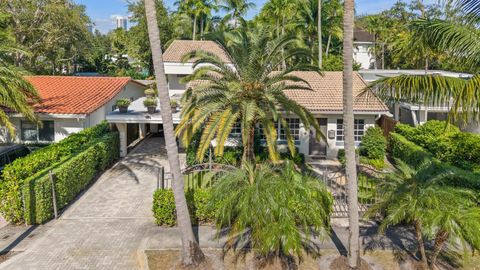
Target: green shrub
x,y
123,102
71,177
15,173
374,144
407,151
198,204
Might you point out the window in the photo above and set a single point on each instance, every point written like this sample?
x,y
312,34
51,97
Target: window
x,y
31,132
358,130
236,130
294,126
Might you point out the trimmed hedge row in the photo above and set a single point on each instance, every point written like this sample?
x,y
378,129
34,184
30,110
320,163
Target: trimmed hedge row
x,y
71,177
461,149
414,155
198,204
33,165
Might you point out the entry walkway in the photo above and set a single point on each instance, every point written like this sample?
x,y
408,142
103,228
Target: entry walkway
x,y
105,227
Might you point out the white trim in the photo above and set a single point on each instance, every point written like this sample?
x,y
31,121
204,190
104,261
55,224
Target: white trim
x,y
53,116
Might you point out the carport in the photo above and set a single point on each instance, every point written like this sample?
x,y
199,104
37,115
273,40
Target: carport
x,y
137,123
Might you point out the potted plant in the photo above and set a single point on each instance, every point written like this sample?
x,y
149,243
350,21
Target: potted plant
x,y
123,104
174,105
149,93
151,104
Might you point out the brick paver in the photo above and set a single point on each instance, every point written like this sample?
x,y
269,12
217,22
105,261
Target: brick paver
x,y
105,227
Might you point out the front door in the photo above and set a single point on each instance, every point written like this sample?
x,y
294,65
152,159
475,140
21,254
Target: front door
x,y
319,148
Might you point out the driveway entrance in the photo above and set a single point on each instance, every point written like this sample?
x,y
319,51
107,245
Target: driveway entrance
x,y
105,227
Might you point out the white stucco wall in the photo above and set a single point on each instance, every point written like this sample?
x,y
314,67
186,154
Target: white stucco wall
x,y
362,55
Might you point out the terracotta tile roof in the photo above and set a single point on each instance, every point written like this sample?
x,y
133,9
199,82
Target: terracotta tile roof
x,y
75,95
327,94
361,35
179,48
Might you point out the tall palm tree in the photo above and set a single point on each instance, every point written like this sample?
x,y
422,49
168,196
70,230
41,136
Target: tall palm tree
x,y
16,93
248,91
420,197
236,9
191,252
351,168
462,43
319,30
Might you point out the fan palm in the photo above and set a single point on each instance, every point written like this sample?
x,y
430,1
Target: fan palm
x,y
462,43
419,197
274,211
16,93
248,91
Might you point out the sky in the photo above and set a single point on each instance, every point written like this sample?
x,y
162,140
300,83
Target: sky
x,y
104,12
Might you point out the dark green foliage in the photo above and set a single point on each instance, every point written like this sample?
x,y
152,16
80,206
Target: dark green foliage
x,y
374,144
197,201
262,156
448,144
414,155
272,211
37,162
72,175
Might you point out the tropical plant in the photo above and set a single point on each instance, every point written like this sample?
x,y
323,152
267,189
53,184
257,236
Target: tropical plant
x,y
17,94
273,211
149,92
461,43
235,9
150,102
350,168
192,255
419,197
249,93
123,102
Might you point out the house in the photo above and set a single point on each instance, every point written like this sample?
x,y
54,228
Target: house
x,y
417,114
363,43
325,102
70,104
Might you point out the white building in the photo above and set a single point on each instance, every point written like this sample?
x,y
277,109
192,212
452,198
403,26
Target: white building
x,y
325,102
363,43
70,104
418,114
121,22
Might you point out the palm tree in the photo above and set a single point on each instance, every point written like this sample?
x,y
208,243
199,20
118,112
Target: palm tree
x,y
191,252
16,93
461,42
248,91
319,30
273,211
419,196
351,169
236,9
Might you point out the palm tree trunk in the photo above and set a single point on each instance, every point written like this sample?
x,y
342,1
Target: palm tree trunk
x,y
194,26
375,51
191,252
421,244
440,239
201,27
320,49
328,45
284,64
351,169
248,153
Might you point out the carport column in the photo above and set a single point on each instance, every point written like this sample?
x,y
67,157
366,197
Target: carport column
x,y
122,130
142,128
304,140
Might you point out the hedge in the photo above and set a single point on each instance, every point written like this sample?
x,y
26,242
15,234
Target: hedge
x,y
32,165
197,201
373,144
450,145
414,155
71,177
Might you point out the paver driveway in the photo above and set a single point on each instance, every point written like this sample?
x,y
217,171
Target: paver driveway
x,y
105,227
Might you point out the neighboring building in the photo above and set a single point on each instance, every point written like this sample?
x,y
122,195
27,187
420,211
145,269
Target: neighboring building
x,y
121,22
363,43
418,114
325,102
70,104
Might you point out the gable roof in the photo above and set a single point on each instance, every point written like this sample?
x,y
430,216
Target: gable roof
x,y
179,48
327,94
75,95
361,35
